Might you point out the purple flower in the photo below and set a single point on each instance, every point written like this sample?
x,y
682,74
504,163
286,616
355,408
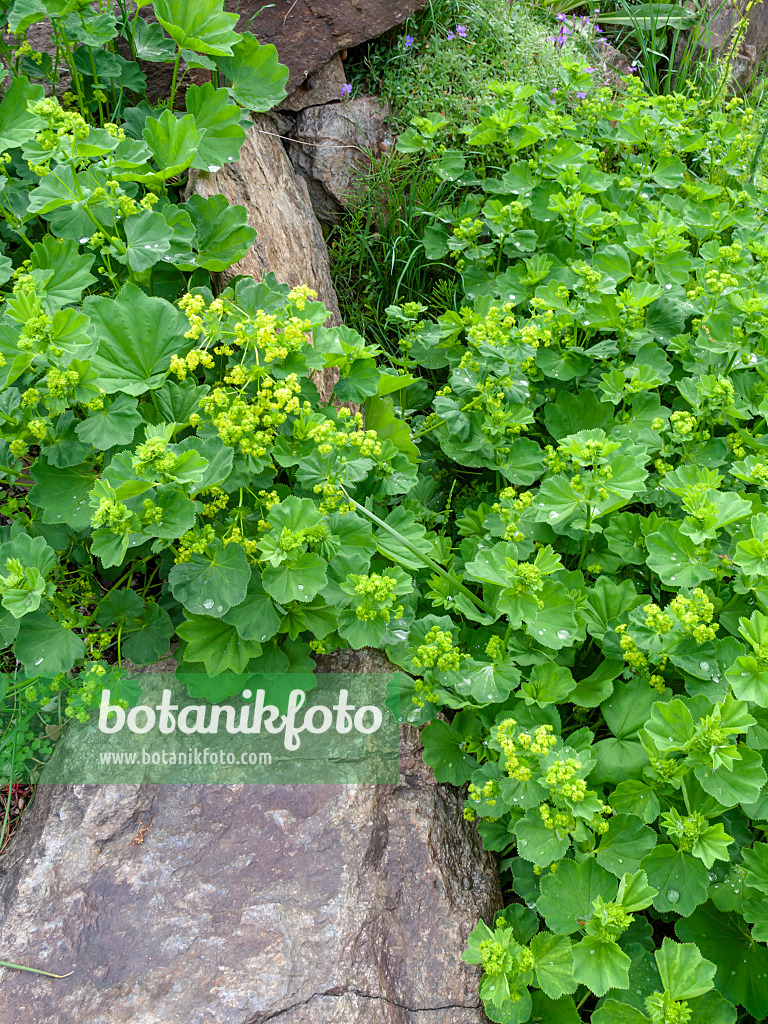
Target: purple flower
x,y
346,89
581,95
560,17
589,71
450,36
461,30
409,41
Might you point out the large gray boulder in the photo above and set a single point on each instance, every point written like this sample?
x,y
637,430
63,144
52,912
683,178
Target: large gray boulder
x,y
213,904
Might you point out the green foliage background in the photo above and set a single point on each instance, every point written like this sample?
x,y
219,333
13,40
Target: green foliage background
x,y
540,490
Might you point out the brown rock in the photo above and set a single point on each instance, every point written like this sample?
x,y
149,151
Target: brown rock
x,y
238,904
307,33
332,148
289,241
322,86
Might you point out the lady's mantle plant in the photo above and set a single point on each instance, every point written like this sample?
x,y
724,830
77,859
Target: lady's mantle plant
x,y
549,511
594,408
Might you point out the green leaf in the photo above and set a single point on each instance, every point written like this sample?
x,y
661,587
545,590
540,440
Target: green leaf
x,y
444,748
536,842
613,1012
683,970
547,684
147,240
147,638
380,416
756,864
554,964
681,880
219,122
223,236
624,845
255,617
69,271
742,964
674,557
670,726
137,336
636,798
742,785
62,493
213,582
172,141
600,964
567,895
46,647
114,424
524,464
258,79
17,124
200,25
302,579
216,644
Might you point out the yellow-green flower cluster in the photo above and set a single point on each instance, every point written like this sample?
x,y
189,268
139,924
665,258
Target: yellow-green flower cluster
x,y
523,749
250,425
376,591
561,776
695,614
438,651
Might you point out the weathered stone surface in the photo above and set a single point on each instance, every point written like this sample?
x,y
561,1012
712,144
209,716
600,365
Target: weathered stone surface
x,y
322,86
332,148
307,33
289,241
714,41
237,904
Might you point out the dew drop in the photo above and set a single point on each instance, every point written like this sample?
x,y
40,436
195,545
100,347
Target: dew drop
x,y
704,665
84,240
300,586
553,515
541,632
563,634
673,895
213,168
39,661
668,287
208,603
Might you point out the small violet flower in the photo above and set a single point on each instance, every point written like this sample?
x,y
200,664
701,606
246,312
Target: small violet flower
x,y
461,30
581,95
450,36
409,41
346,89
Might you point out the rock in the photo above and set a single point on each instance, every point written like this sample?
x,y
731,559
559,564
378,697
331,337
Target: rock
x,y
332,146
322,86
217,904
717,36
289,242
307,33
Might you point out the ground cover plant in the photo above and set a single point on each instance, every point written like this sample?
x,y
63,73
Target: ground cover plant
x,y
549,510
589,421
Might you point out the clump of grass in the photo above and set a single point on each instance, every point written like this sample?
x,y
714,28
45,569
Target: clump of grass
x,y
448,52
